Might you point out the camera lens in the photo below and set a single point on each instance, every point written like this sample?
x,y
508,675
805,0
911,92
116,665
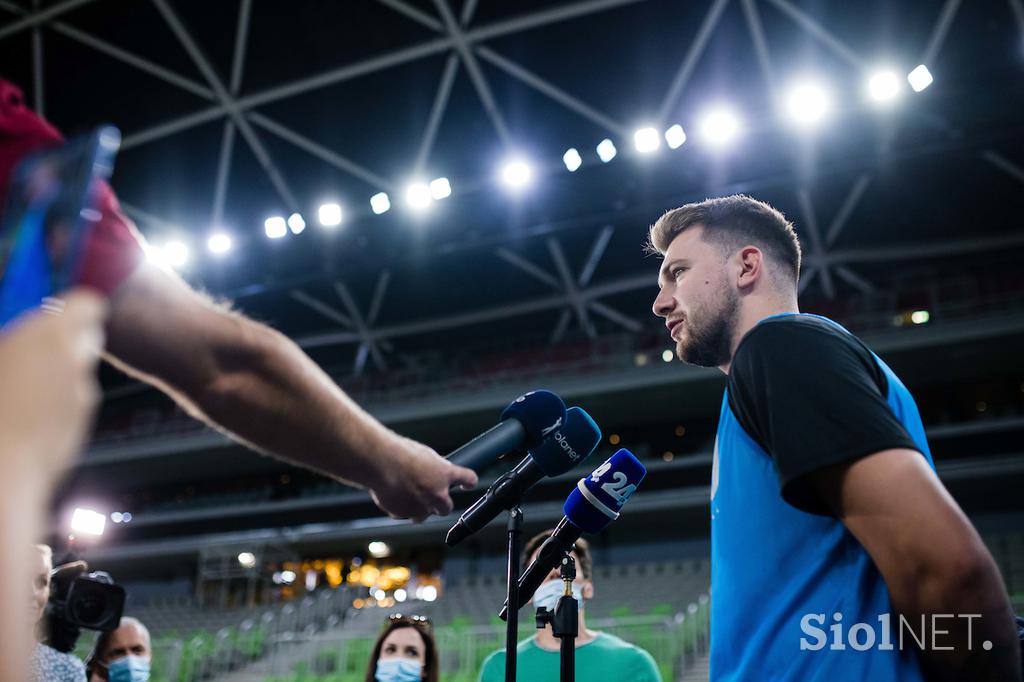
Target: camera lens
x,y
90,608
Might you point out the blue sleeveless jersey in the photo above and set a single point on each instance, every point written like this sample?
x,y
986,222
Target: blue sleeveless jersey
x,y
772,565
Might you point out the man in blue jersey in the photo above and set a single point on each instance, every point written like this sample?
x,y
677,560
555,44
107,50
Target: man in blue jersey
x,y
837,554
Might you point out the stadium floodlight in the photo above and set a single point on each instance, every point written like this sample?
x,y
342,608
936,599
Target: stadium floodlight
x,y
572,159
667,355
329,215
440,188
401,595
378,549
646,140
920,317
884,86
117,517
380,203
275,227
920,78
606,150
296,223
516,173
219,243
429,593
126,517
88,522
246,559
176,253
675,136
720,126
808,103
378,593
417,195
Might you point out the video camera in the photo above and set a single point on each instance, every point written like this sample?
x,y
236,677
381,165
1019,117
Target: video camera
x,y
81,600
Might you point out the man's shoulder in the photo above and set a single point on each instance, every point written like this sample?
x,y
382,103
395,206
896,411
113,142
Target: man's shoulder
x,y
610,643
626,657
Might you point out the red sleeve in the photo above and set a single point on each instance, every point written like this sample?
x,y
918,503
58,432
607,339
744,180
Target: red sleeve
x,y
114,248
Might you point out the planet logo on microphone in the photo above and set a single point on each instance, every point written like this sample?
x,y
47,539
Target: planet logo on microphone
x,y
563,443
547,432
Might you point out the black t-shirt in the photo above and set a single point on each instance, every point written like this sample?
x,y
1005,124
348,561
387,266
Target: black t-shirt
x,y
812,396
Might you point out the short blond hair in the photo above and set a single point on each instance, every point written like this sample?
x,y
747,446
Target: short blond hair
x,y
733,222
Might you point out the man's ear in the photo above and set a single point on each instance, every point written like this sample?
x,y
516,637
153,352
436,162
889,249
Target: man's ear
x,y
751,266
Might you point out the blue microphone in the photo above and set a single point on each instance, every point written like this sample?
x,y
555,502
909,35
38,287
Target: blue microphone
x,y
593,504
563,449
524,424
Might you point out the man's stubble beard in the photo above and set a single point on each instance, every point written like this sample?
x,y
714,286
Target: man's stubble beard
x,y
710,343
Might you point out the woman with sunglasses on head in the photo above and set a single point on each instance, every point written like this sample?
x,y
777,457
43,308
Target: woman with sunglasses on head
x,y
404,652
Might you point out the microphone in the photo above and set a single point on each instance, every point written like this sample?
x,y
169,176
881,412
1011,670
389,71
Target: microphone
x,y
524,424
560,452
591,506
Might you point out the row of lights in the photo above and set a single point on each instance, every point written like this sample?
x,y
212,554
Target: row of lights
x,y
805,104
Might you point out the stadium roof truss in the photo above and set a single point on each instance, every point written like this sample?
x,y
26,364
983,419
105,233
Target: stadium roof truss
x,y
466,45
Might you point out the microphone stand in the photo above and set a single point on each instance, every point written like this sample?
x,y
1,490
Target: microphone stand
x,y
565,621
515,531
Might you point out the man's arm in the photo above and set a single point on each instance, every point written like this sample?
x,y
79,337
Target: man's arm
x,y
932,559
256,384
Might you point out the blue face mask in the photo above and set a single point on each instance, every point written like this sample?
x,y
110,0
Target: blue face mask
x,y
396,670
128,669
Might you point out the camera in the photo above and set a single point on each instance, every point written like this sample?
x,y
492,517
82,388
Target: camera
x,y
88,600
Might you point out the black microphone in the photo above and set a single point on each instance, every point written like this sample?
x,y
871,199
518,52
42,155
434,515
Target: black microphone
x,y
525,423
563,449
592,505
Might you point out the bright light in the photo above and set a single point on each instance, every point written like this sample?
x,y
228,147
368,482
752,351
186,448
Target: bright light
x,y
720,127
516,173
378,593
920,316
418,195
646,140
572,159
380,203
401,595
288,577
429,593
378,549
126,517
675,136
329,215
440,188
275,227
808,103
667,355
920,78
296,224
117,517
884,86
88,522
218,243
247,559
176,253
606,150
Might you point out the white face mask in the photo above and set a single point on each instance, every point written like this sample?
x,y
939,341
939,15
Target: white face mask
x,y
548,594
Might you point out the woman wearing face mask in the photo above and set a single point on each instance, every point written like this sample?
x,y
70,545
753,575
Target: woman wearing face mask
x,y
121,655
404,652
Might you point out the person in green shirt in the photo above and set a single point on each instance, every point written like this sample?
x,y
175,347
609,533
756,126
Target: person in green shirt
x,y
600,657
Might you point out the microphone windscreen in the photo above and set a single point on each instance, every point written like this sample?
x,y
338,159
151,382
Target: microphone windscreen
x,y
540,413
598,498
569,445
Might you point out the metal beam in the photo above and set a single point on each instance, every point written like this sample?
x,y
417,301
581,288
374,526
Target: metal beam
x,y
527,267
361,328
241,43
596,253
228,102
145,217
693,55
552,92
757,34
860,186
41,17
814,235
1017,7
383,279
476,76
220,186
416,15
920,251
817,31
323,153
444,91
468,10
941,30
38,96
854,280
617,317
570,287
373,65
806,277
315,304
1003,164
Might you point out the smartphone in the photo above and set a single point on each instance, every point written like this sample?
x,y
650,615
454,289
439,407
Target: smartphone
x,y
44,228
